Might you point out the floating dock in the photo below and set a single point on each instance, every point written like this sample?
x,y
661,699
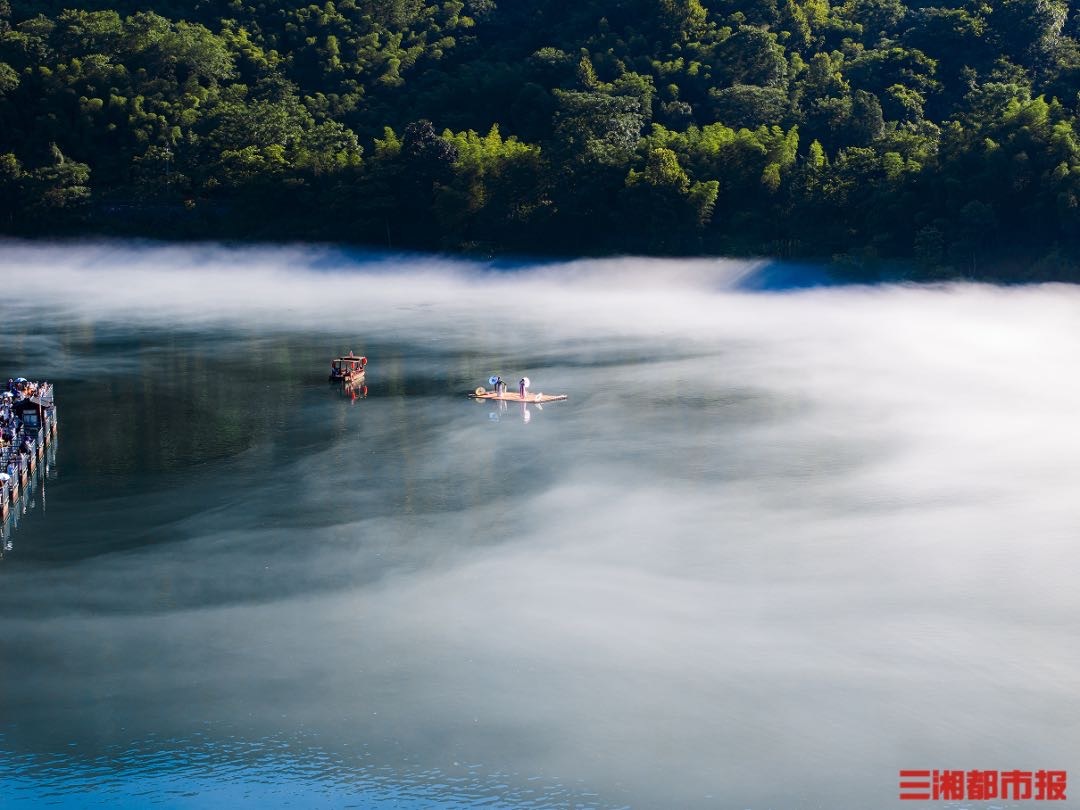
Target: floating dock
x,y
514,396
36,424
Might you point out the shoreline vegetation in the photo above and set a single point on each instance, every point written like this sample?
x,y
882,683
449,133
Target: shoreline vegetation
x,y
866,133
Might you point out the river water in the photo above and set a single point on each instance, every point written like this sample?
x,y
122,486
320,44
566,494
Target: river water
x,y
778,544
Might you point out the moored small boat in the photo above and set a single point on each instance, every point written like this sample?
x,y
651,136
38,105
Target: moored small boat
x,y
348,369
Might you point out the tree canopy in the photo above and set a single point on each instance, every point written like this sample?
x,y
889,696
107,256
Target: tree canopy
x,y
947,133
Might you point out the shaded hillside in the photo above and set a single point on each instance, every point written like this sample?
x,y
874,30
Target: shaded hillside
x,y
870,129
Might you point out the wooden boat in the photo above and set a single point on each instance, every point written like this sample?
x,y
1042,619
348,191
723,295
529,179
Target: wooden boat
x,y
348,369
514,396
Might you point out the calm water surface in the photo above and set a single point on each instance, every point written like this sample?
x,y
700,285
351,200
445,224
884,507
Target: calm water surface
x,y
775,547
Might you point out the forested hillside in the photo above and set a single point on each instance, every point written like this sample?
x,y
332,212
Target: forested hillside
x,y
946,133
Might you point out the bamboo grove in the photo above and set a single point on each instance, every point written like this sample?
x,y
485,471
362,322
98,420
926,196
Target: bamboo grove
x,y
945,135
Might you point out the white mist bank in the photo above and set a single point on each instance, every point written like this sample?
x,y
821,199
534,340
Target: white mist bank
x,y
775,547
322,289
327,290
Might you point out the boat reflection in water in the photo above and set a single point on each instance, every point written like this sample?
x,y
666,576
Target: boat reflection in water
x,y
503,408
28,499
354,391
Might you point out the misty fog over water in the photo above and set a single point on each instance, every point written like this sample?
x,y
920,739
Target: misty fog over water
x,y
777,545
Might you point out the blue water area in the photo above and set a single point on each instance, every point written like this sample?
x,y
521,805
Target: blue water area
x,y
781,541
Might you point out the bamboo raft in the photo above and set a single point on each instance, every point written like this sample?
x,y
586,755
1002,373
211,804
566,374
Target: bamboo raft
x,y
514,396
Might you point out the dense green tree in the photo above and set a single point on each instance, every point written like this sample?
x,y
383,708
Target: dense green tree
x,y
1030,30
753,56
747,105
877,18
597,127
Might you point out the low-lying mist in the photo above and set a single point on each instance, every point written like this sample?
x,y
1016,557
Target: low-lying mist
x,y
775,546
